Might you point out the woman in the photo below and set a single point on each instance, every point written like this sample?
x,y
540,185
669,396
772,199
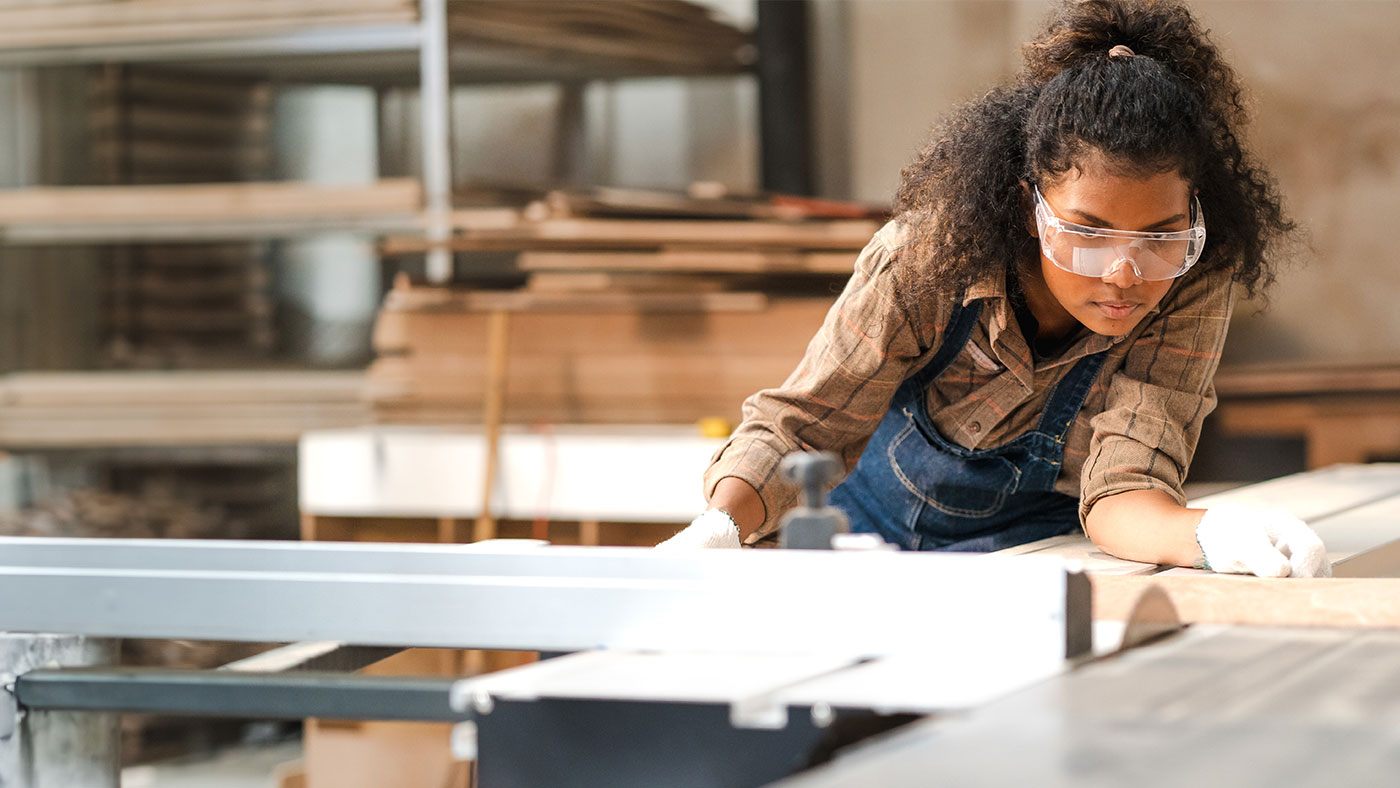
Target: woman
x,y
1028,347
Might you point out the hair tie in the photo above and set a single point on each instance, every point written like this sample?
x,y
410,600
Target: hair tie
x,y
1121,51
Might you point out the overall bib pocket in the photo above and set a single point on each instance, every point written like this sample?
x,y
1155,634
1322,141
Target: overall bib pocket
x,y
970,487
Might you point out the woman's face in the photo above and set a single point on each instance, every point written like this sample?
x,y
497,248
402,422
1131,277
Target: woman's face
x,y
1116,302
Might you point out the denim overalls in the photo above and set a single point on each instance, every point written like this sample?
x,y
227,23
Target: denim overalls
x,y
921,491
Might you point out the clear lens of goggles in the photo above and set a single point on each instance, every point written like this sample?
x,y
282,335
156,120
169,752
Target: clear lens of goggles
x,y
1095,251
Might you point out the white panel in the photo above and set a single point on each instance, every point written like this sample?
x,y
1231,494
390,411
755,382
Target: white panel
x,y
643,474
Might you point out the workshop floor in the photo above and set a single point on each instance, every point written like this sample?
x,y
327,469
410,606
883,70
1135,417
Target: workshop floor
x,y
239,766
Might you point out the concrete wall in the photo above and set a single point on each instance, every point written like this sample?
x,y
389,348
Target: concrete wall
x,y
1325,84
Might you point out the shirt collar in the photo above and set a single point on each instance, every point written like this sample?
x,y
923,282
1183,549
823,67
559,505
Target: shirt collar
x,y
991,285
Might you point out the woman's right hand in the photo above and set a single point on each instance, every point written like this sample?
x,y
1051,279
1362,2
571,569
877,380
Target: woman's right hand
x,y
713,528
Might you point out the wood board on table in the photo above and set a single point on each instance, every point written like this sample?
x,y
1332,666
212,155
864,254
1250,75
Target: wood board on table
x,y
1354,508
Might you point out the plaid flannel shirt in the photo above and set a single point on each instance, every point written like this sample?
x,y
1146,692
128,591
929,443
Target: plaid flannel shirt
x,y
1137,430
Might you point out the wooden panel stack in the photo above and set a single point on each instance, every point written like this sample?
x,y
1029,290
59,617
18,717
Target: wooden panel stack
x,y
58,23
125,409
183,303
633,310
581,364
670,35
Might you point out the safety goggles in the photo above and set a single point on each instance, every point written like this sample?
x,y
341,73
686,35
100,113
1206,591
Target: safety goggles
x,y
1096,251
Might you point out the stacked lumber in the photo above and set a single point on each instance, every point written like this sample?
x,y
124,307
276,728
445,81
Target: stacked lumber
x,y
636,307
601,361
173,305
491,40
123,409
156,126
667,35
26,24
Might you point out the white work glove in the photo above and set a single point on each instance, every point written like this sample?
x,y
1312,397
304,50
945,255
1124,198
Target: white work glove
x,y
1264,542
713,528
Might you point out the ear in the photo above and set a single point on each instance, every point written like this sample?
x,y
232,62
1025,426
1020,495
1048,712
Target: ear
x,y
1028,209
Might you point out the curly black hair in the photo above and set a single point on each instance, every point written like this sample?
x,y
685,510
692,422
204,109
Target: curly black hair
x,y
1173,104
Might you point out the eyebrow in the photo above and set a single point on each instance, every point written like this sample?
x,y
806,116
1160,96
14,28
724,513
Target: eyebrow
x,y
1091,219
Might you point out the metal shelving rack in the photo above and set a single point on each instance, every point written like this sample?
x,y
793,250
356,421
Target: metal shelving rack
x,y
373,54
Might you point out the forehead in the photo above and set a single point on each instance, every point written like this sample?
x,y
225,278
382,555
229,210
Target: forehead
x,y
1116,200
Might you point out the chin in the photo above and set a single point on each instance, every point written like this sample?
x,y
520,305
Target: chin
x,y
1107,326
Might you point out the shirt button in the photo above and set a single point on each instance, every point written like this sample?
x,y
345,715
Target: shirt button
x,y
974,427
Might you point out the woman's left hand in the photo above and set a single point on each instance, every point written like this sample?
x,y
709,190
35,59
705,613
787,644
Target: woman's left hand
x,y
1265,542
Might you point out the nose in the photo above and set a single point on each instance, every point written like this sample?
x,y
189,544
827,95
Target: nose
x,y
1123,273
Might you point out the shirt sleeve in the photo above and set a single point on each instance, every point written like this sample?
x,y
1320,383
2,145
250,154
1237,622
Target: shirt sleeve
x,y
1146,435
839,392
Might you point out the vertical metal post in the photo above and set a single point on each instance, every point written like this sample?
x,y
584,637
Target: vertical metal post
x,y
571,138
55,749
435,102
27,131
784,111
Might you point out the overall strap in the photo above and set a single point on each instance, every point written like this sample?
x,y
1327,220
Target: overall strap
x,y
1068,397
955,336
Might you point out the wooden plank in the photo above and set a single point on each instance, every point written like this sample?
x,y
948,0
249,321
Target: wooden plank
x,y
703,53
1379,561
699,261
1306,378
600,281
1315,495
1254,601
644,203
576,234
145,12
72,205
80,390
1360,530
178,121
209,429
631,377
232,97
493,413
160,20
201,29
527,301
446,328
1075,547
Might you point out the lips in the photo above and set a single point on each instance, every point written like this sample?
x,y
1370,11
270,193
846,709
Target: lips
x,y
1117,310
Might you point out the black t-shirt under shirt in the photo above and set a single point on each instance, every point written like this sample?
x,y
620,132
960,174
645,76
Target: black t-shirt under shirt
x,y
1048,347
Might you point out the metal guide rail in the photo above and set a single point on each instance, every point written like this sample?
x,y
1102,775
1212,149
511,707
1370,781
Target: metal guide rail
x,y
739,638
